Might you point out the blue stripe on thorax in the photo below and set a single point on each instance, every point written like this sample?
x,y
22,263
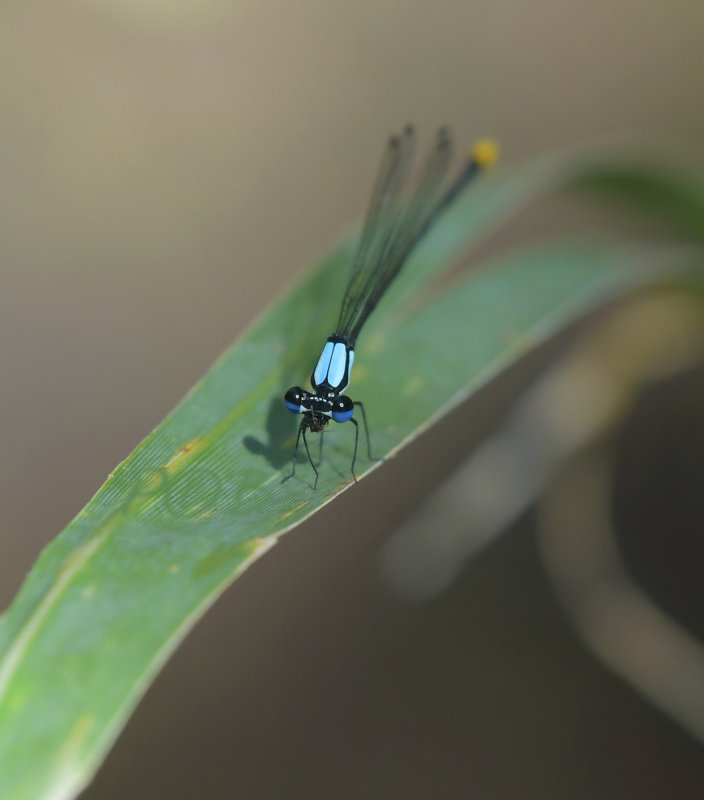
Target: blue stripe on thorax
x,y
334,365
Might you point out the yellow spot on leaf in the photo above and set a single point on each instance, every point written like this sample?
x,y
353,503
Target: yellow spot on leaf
x,y
174,464
517,339
359,372
76,737
291,512
373,345
183,454
413,385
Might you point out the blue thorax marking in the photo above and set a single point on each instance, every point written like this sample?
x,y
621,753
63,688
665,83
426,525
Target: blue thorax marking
x,y
334,366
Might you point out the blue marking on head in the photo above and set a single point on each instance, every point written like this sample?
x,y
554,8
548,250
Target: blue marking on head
x,y
342,408
293,399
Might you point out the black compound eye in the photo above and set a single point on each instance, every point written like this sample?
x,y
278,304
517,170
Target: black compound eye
x,y
342,408
293,399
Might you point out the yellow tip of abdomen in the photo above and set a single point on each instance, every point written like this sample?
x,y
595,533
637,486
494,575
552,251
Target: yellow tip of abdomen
x,y
486,152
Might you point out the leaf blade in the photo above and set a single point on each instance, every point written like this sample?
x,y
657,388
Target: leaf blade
x,y
201,497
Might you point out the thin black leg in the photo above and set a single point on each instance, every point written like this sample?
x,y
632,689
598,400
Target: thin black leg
x,y
305,442
366,431
356,440
320,448
295,454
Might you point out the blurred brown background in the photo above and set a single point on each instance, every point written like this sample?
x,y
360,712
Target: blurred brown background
x,y
166,168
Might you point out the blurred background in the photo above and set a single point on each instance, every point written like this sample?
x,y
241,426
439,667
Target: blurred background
x,y
167,168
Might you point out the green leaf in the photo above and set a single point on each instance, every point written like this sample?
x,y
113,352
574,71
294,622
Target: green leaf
x,y
664,192
202,496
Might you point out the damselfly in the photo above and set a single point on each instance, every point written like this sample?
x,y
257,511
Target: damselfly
x,y
393,227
